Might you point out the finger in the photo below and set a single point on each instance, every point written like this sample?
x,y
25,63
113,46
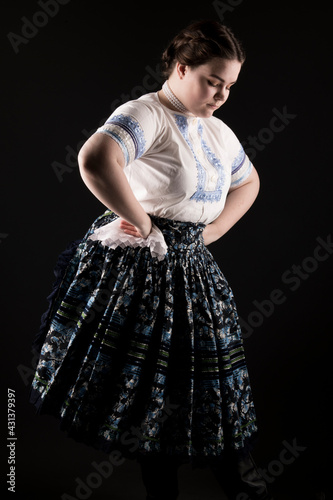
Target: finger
x,y
130,231
129,228
127,225
133,232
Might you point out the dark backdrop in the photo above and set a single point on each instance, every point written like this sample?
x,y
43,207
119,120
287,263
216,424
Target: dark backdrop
x,y
59,81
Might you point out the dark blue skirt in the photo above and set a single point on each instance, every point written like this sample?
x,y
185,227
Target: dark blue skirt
x,y
145,355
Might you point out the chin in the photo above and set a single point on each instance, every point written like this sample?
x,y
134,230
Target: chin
x,y
206,113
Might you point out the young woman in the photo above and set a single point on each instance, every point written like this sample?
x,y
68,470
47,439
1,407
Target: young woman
x,y
141,348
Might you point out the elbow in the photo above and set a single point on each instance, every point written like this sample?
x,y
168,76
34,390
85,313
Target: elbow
x,y
258,182
89,164
255,180
99,157
84,161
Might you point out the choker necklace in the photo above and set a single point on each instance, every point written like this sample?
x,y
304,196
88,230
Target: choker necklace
x,y
172,98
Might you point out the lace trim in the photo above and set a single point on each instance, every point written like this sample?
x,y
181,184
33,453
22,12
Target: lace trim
x,y
112,236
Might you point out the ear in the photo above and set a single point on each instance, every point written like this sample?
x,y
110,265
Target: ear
x,y
181,69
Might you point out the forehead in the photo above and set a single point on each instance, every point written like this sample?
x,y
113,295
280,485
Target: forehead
x,y
225,69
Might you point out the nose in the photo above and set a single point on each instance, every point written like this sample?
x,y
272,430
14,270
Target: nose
x,y
221,94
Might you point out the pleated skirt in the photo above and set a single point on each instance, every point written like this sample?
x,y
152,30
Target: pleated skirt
x,y
144,355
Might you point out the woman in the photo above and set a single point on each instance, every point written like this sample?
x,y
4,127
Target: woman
x,y
141,348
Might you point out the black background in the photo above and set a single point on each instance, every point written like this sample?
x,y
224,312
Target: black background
x,y
66,79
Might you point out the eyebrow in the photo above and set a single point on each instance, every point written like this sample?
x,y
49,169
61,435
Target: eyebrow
x,y
221,79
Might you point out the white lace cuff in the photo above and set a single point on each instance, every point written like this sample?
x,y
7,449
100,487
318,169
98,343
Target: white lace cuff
x,y
112,236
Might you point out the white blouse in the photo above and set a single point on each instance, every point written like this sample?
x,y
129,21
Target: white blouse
x,y
179,166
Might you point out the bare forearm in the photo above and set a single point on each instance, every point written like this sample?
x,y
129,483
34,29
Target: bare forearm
x,y
237,204
105,178
111,188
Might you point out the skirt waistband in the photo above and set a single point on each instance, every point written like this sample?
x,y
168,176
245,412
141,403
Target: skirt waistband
x,y
178,234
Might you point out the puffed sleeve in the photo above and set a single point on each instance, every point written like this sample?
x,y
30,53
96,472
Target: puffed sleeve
x,y
241,165
132,127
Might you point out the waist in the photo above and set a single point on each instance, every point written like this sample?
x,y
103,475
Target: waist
x,y
179,233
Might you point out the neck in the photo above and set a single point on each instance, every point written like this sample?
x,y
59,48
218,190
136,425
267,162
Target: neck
x,y
172,99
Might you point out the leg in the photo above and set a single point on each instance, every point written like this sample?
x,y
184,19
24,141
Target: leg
x,y
160,477
241,480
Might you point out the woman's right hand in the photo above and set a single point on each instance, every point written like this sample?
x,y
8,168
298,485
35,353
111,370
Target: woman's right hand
x,y
134,231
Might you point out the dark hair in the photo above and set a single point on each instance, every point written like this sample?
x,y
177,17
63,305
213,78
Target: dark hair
x,y
200,42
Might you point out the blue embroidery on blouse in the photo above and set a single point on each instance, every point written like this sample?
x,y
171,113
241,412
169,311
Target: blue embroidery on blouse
x,y
201,194
238,161
115,136
213,160
134,130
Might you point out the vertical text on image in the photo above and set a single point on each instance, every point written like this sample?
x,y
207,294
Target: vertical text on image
x,y
11,440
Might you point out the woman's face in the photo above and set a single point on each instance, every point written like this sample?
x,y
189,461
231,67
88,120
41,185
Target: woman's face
x,y
205,88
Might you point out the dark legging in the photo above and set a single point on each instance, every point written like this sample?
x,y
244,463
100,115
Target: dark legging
x,y
238,477
160,477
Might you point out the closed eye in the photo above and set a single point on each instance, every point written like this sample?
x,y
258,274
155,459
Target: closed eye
x,y
213,84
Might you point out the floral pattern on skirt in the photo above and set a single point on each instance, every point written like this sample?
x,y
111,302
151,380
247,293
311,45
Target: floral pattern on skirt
x,y
146,356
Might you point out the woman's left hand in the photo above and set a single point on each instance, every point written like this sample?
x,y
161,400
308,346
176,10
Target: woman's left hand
x,y
210,233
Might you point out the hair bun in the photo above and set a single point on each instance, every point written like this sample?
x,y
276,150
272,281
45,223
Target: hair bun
x,y
200,42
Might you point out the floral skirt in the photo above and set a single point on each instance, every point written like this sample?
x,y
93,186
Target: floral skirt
x,y
145,355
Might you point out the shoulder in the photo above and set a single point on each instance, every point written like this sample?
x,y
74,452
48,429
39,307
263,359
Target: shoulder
x,y
146,110
135,125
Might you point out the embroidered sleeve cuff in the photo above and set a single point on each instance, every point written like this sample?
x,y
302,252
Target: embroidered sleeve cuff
x,y
127,132
240,169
